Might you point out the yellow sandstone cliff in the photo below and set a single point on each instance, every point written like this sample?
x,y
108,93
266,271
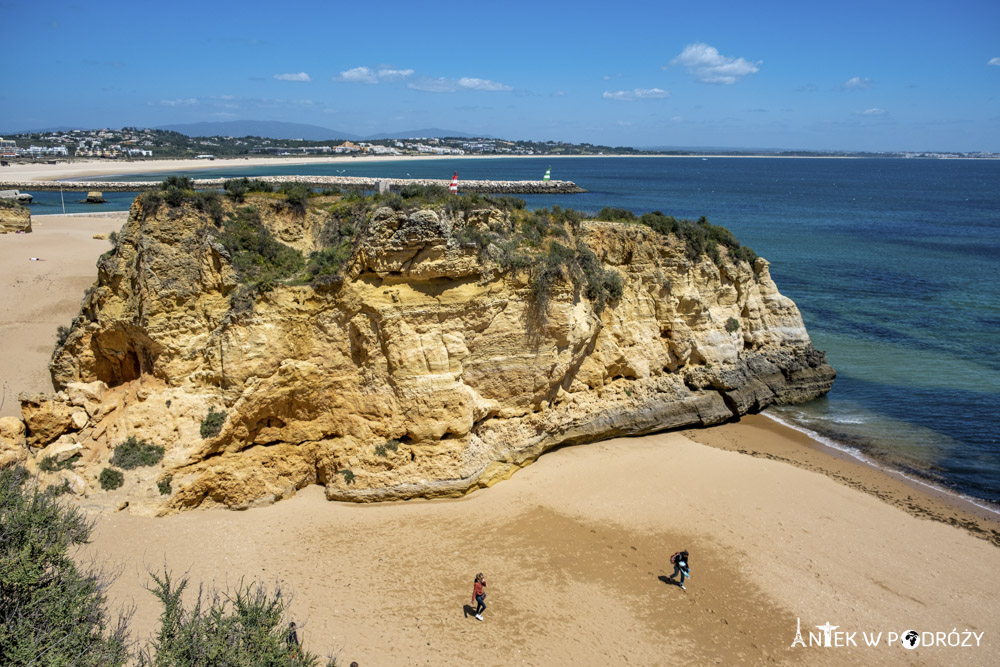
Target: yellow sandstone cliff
x,y
426,366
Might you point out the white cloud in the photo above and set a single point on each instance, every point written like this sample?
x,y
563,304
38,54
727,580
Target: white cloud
x,y
358,75
179,103
438,85
636,94
873,112
708,65
857,83
371,76
482,84
386,74
301,76
994,61
447,85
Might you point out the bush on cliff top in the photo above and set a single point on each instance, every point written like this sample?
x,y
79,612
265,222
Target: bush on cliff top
x,y
700,237
543,242
6,202
260,260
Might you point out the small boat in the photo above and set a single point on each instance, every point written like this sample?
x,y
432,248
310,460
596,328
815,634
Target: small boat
x,y
548,174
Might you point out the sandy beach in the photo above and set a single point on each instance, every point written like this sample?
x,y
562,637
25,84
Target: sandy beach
x,y
20,171
575,547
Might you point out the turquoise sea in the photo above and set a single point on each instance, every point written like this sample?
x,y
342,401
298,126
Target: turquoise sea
x,y
892,262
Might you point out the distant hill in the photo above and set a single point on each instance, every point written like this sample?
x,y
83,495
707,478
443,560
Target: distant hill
x,y
43,130
428,133
272,129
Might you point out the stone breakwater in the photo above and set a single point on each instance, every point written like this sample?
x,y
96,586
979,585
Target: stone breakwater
x,y
343,182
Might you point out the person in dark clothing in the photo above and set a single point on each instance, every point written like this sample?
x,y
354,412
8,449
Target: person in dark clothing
x,y
682,566
292,640
479,595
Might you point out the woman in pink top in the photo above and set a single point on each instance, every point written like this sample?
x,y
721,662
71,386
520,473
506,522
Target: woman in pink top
x,y
479,595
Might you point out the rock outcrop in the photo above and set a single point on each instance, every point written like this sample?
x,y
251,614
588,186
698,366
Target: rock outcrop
x,y
428,365
14,218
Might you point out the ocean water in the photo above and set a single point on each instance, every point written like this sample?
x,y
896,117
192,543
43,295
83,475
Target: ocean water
x,y
892,262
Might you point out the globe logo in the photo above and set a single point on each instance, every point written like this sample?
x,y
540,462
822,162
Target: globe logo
x,y
911,639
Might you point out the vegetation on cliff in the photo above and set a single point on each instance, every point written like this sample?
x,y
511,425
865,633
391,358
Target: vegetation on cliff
x,y
545,245
11,203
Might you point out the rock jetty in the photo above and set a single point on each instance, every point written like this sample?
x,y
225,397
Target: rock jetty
x,y
342,182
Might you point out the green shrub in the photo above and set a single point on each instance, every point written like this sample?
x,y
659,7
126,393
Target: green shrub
x,y
348,475
328,261
111,479
209,202
50,464
260,260
164,485
392,445
732,324
211,425
296,196
237,188
700,237
179,182
429,193
173,195
56,490
380,450
151,200
135,453
52,611
616,214
549,270
258,185
393,200
245,626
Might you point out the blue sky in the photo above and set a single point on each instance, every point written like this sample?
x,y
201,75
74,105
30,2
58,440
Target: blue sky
x,y
813,75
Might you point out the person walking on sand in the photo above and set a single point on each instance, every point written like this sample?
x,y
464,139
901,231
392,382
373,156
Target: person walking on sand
x,y
682,566
479,595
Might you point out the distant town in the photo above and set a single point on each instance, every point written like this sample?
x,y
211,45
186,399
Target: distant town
x,y
130,143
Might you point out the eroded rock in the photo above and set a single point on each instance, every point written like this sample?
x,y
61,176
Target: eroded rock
x,y
429,367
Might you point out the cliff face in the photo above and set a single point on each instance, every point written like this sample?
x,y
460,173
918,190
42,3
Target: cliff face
x,y
427,367
14,218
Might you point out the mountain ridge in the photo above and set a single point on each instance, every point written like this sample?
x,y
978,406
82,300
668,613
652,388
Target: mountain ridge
x,y
273,129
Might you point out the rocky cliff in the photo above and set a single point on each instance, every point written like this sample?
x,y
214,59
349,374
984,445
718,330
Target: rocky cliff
x,y
401,350
14,217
